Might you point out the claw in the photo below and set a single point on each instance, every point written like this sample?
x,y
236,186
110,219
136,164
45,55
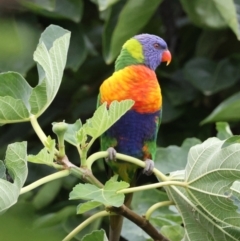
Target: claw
x,y
111,154
148,169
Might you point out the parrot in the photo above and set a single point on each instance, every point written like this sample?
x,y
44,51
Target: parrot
x,y
135,133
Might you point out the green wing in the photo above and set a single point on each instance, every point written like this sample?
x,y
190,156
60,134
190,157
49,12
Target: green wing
x,y
151,145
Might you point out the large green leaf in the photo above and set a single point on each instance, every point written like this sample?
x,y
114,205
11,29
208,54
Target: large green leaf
x,y
56,9
128,25
204,13
198,224
209,205
51,56
228,110
18,100
173,158
214,13
16,164
210,77
212,168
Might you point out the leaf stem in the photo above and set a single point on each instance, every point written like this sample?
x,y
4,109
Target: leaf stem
x,y
85,223
156,206
151,186
37,128
102,154
44,180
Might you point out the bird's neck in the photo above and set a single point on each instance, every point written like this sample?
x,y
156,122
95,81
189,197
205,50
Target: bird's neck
x,y
125,59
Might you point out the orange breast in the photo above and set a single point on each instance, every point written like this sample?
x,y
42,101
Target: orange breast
x,y
135,82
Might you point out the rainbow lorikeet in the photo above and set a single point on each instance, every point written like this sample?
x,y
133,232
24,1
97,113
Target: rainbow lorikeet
x,y
135,133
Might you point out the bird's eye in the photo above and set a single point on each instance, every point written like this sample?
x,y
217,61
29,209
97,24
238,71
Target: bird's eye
x,y
157,46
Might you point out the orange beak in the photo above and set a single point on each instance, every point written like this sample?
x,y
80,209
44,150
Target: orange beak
x,y
166,57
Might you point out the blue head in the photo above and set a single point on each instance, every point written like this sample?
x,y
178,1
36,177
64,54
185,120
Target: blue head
x,y
155,50
147,49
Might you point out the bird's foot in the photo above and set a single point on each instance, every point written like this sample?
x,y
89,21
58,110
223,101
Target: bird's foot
x,y
111,154
149,166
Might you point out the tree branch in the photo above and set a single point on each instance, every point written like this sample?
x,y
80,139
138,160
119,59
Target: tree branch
x,y
139,221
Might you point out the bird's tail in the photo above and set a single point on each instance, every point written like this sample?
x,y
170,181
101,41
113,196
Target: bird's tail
x,y
116,221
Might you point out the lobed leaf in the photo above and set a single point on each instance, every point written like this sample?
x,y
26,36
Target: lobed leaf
x,y
18,100
107,195
16,164
104,117
212,168
46,155
199,225
51,56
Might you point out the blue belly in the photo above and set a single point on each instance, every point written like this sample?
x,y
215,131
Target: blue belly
x,y
132,130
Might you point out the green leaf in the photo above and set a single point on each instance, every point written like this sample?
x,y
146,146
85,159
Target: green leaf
x,y
210,172
46,155
16,164
18,100
104,117
210,77
55,218
231,140
46,194
2,170
14,97
12,110
78,51
56,9
98,235
229,10
19,37
84,207
204,13
127,25
209,42
214,13
51,56
228,110
173,158
107,195
197,222
232,196
224,131
71,133
173,233
104,4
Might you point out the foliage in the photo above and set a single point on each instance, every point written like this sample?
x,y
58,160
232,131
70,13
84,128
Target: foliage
x,y
199,172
